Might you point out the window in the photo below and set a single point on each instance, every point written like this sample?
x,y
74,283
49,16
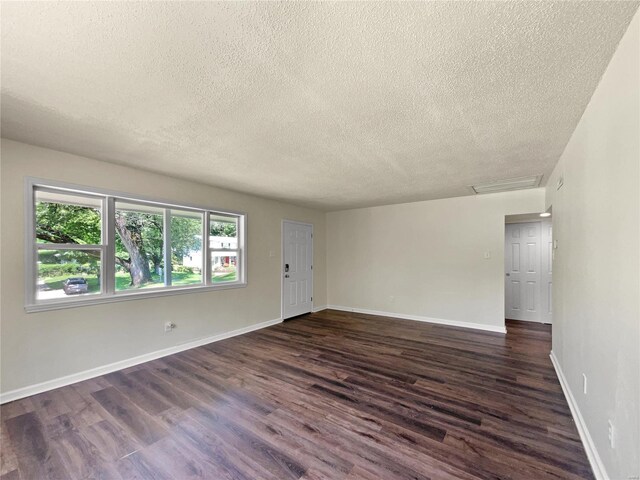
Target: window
x,y
139,253
69,244
89,246
223,246
186,248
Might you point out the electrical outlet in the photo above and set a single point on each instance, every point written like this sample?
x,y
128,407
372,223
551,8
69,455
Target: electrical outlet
x,y
487,255
584,384
169,326
392,298
611,434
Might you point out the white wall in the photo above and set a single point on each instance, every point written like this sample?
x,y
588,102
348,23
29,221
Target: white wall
x,y
428,256
596,216
38,347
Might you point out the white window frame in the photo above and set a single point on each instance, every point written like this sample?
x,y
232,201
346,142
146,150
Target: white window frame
x,y
108,292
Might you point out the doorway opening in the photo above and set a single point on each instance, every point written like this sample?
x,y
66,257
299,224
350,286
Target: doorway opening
x,y
528,267
297,268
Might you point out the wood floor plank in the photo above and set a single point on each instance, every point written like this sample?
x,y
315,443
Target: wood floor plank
x,y
138,393
12,475
330,395
8,459
111,440
131,418
234,463
36,457
81,458
138,466
18,407
162,389
278,462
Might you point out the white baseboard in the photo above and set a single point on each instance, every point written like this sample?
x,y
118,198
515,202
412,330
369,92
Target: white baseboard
x,y
319,308
418,318
592,454
130,362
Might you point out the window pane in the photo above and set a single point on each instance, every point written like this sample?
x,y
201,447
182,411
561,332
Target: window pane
x,y
64,218
223,231
224,267
67,273
186,248
139,246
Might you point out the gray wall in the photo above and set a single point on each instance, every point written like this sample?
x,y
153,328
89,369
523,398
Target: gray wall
x,y
596,275
39,347
425,259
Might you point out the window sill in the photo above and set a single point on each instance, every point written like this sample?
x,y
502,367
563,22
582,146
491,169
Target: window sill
x,y
121,297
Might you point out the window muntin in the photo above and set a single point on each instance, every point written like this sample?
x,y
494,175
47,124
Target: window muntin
x,y
82,234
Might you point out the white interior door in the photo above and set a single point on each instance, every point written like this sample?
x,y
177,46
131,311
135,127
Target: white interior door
x,y
522,271
297,269
546,272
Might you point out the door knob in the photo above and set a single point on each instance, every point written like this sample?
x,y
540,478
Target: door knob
x,y
508,274
286,276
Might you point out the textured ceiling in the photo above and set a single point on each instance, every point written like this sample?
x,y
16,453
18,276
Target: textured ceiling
x,y
330,105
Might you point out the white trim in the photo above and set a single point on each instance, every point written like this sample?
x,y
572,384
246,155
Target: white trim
x,y
419,318
120,297
109,232
30,250
67,246
130,362
243,238
206,250
166,240
589,446
319,308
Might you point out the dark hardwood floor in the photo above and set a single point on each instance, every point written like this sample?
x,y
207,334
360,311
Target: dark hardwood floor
x,y
329,395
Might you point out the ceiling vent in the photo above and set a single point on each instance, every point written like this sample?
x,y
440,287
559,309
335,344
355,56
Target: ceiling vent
x,y
519,183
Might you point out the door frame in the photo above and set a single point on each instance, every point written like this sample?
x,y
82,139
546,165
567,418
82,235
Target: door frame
x,y
541,221
285,220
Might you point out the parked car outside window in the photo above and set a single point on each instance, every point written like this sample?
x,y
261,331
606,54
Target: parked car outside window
x,y
75,285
